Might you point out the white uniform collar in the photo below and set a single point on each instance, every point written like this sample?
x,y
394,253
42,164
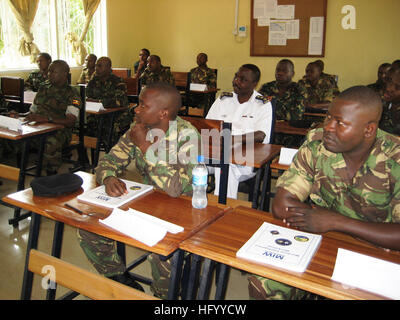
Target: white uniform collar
x,y
252,98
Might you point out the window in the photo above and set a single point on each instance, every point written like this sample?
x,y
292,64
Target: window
x,y
53,21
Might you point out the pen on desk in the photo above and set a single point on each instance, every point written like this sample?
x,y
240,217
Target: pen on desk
x,y
73,208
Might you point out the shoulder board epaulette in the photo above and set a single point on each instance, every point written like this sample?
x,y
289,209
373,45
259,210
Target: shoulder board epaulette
x,y
226,94
264,99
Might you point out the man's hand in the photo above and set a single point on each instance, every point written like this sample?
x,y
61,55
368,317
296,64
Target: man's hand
x,y
313,219
36,117
114,187
138,136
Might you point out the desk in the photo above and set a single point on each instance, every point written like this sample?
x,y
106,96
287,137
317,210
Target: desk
x,y
156,203
284,127
194,97
29,132
106,143
220,241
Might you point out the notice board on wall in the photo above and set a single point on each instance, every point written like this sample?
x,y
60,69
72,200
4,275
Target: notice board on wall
x,y
288,28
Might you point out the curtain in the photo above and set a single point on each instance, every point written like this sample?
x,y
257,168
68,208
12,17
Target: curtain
x,y
24,12
78,46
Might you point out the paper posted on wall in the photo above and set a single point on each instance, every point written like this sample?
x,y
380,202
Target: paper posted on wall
x,y
281,247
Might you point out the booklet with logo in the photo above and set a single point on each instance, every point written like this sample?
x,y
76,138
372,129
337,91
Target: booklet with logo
x,y
99,196
281,247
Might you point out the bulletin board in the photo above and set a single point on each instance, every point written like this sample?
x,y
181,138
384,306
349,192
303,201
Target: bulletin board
x,y
300,40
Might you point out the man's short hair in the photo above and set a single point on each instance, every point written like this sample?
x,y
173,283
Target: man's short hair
x,y
62,64
156,57
255,70
289,62
170,90
45,55
146,50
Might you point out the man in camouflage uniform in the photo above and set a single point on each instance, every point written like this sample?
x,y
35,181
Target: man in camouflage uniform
x,y
289,100
203,75
379,85
88,71
56,102
330,78
157,110
156,72
390,121
350,170
37,78
319,92
110,90
140,65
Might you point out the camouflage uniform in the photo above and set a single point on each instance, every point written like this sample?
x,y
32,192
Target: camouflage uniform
x,y
372,195
332,80
323,91
289,106
85,77
387,122
175,179
164,75
203,76
35,80
112,94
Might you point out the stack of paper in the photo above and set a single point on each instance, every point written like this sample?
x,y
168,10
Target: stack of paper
x,y
13,124
286,155
94,106
140,226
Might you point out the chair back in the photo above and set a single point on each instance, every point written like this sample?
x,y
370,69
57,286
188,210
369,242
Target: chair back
x,y
272,133
182,82
77,279
122,72
12,89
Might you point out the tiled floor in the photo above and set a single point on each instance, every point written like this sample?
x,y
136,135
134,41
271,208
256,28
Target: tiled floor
x,y
13,243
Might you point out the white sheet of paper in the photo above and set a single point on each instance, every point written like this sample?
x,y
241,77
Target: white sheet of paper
x,y
293,29
264,8
29,96
13,124
198,87
367,273
277,33
263,22
285,12
94,106
316,34
286,155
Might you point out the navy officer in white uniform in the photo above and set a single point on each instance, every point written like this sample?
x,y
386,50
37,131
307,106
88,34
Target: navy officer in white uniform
x,y
249,112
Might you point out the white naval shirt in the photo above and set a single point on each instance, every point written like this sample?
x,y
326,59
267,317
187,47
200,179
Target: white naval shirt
x,y
250,116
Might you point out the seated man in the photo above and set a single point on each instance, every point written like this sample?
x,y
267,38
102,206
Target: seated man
x,y
251,116
141,64
156,72
289,100
37,78
329,78
379,85
319,92
89,69
56,102
350,170
110,90
390,121
202,75
157,111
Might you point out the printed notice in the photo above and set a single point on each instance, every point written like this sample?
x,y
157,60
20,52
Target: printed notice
x,y
277,33
315,41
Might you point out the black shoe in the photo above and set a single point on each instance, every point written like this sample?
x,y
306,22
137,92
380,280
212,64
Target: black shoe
x,y
127,280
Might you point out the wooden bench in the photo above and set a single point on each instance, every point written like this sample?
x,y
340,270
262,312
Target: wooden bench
x,y
89,284
9,172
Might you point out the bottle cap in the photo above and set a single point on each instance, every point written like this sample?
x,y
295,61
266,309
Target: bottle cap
x,y
200,159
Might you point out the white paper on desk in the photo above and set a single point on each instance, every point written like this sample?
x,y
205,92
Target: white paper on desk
x,y
94,106
286,155
198,87
367,273
13,124
140,226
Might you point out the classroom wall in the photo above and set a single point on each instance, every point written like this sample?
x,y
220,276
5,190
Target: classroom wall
x,y
177,30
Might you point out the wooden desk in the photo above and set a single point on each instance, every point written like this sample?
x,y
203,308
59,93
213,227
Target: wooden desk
x,y
28,132
158,204
284,127
106,143
220,241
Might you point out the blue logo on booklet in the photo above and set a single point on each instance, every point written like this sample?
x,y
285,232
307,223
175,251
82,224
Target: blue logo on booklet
x,y
283,242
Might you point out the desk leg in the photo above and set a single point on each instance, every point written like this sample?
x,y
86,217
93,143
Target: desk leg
x,y
98,143
176,271
266,189
26,290
55,252
222,281
256,191
193,279
206,278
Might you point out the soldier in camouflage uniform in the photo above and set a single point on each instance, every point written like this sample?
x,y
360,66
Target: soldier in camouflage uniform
x,y
158,107
156,72
37,78
379,85
330,78
319,92
110,90
289,100
350,170
390,121
55,102
203,75
88,71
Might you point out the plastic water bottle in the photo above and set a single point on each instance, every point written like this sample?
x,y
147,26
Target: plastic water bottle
x,y
200,174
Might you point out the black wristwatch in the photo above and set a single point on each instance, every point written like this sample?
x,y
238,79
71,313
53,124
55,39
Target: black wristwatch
x,y
50,119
